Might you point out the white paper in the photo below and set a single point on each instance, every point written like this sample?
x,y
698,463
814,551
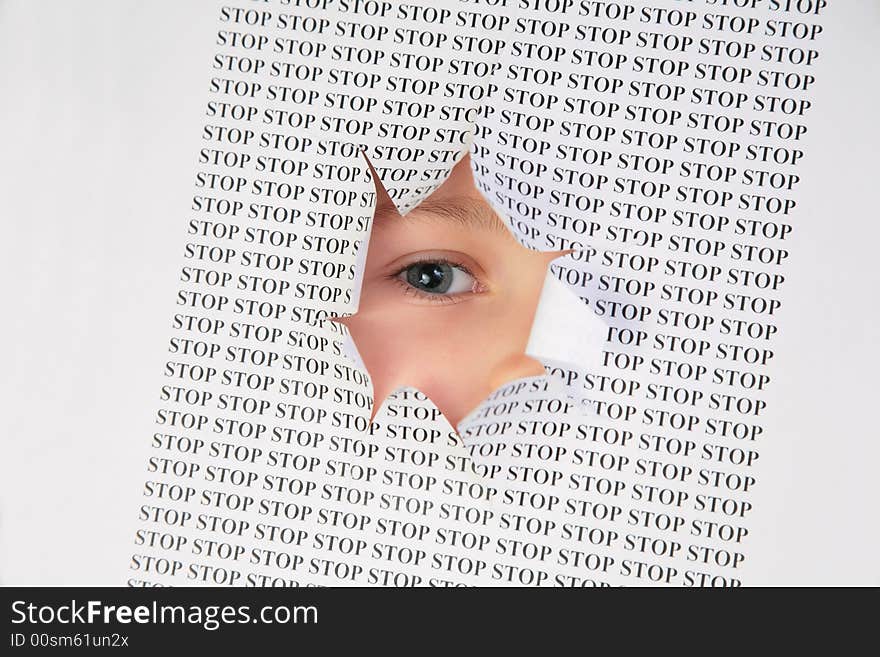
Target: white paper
x,y
560,492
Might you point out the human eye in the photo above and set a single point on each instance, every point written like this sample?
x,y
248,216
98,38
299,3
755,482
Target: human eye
x,y
438,279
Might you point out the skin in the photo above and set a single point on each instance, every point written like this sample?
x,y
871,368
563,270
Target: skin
x,y
458,347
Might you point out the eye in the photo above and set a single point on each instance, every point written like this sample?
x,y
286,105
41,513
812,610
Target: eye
x,y
438,278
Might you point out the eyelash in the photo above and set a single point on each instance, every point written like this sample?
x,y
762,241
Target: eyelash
x,y
432,298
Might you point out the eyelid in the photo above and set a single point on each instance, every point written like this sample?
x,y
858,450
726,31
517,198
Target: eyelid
x,y
447,259
432,298
442,261
452,258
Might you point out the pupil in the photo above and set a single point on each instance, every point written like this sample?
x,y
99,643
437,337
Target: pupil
x,y
433,277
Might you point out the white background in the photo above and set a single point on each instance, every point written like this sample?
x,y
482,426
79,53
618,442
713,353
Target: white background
x,y
101,110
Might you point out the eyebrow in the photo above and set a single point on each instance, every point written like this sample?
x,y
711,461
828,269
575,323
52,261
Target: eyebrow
x,y
467,212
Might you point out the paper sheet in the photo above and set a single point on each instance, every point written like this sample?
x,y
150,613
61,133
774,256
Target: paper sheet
x,y
661,142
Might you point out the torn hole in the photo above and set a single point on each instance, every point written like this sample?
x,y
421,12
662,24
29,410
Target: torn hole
x,y
447,299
